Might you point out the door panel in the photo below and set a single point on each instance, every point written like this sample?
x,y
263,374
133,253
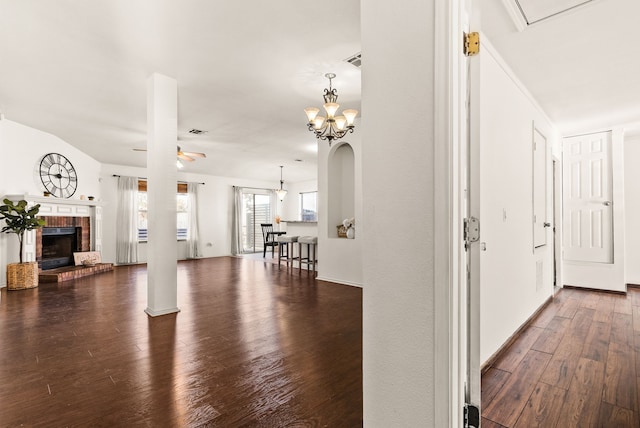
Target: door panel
x,y
587,198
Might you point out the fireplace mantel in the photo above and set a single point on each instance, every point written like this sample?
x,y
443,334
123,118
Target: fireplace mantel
x,y
58,207
52,200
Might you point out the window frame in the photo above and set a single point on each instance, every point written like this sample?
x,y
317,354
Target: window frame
x,y
302,198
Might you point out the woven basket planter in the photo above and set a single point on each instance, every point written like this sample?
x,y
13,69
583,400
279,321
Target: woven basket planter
x,y
22,275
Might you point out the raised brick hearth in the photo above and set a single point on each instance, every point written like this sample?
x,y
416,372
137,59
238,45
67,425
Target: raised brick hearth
x,y
73,272
83,224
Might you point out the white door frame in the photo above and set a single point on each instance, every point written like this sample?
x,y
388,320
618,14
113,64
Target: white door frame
x,y
452,19
556,165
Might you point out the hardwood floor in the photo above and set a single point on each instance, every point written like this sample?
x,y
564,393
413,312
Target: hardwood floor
x,y
253,345
577,365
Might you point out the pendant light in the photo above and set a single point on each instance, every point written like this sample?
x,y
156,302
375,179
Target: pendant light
x,y
281,192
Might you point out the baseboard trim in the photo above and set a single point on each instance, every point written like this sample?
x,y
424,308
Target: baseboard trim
x,y
339,281
599,290
510,341
154,313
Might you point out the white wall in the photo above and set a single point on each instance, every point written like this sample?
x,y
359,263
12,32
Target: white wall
x,y
215,199
19,173
509,290
289,209
397,227
632,208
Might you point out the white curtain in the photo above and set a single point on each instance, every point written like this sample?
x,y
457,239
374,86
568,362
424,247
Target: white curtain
x,y
236,223
193,237
127,221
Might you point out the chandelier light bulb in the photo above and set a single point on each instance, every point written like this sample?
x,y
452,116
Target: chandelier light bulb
x,y
311,112
331,109
341,122
350,115
318,122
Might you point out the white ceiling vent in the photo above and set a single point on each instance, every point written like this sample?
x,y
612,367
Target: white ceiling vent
x,y
529,12
197,131
355,60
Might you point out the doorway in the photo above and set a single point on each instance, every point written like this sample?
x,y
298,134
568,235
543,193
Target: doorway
x,y
256,209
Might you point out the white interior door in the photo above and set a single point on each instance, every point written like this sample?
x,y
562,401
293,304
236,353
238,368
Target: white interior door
x,y
587,198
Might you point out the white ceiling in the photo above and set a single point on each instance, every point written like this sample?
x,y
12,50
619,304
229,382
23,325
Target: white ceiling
x,y
247,68
581,66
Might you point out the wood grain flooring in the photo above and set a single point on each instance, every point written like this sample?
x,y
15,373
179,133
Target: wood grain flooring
x,y
253,345
576,365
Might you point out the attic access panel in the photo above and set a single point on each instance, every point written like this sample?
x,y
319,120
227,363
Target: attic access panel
x,y
537,10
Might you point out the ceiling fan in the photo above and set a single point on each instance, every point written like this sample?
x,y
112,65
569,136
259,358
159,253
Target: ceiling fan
x,y
185,156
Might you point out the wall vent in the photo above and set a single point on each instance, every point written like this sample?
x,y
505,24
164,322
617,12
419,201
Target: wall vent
x,y
355,60
197,131
539,275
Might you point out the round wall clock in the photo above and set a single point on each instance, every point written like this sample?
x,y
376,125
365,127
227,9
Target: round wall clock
x,y
58,175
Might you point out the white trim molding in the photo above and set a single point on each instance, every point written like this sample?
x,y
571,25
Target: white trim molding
x,y
515,14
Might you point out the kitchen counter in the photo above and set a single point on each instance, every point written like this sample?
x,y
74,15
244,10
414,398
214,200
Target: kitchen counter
x,y
299,227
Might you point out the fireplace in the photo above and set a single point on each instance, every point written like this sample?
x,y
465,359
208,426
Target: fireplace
x,y
58,246
59,238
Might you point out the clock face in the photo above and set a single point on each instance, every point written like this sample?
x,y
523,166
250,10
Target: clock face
x,y
58,175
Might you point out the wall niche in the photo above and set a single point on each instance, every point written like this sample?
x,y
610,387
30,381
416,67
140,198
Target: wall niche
x,y
341,191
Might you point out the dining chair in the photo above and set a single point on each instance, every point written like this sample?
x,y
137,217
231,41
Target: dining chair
x,y
269,238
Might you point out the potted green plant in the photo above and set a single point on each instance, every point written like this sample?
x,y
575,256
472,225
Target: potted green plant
x,y
19,219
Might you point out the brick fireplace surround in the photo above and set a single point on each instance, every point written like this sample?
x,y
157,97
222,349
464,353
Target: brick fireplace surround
x,y
84,223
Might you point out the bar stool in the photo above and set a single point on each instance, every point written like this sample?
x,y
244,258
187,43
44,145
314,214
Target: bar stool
x,y
312,244
285,251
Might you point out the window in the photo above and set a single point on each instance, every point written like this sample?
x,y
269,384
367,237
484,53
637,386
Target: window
x,y
309,206
142,216
182,200
182,208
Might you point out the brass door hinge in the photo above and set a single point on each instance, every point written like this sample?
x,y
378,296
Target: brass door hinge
x,y
470,231
471,44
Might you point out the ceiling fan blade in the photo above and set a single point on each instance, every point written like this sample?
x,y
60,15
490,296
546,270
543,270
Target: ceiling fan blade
x,y
185,156
195,154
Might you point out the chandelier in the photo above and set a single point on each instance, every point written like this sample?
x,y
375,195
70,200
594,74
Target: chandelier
x,y
281,192
332,127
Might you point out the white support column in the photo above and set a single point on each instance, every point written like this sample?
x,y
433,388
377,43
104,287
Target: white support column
x,y
162,129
